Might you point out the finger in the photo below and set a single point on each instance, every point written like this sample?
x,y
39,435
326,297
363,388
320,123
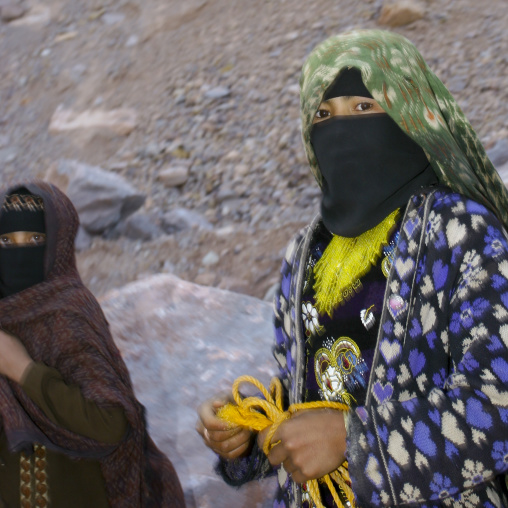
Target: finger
x,y
280,432
231,448
217,404
232,444
299,477
261,438
289,466
207,414
224,435
216,435
240,451
278,454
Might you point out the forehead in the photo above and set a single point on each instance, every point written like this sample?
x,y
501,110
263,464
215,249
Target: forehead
x,y
23,233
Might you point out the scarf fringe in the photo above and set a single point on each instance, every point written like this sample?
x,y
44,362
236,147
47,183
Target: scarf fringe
x,y
345,261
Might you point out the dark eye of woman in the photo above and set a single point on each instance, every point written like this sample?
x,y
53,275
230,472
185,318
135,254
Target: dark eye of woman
x,y
364,106
322,113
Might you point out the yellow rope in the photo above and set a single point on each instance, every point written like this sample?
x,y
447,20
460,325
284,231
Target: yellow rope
x,y
257,414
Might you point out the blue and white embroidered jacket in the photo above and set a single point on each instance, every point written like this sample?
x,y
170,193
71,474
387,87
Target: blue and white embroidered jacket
x,y
434,428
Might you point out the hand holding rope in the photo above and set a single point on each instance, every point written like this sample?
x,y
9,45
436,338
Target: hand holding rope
x,y
258,414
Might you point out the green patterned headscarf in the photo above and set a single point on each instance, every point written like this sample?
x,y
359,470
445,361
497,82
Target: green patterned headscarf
x,y
401,82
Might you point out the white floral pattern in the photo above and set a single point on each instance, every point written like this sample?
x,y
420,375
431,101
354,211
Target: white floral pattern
x,y
474,473
310,319
473,275
411,494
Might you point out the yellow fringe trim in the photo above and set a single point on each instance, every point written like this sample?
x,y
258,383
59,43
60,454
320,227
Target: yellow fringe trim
x,y
258,414
345,261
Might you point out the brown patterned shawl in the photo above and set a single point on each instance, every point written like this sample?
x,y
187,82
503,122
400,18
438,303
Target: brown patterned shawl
x,y
61,324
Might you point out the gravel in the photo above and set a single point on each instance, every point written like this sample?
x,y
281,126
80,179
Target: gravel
x,y
215,89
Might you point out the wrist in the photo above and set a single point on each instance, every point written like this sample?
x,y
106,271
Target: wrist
x,y
22,370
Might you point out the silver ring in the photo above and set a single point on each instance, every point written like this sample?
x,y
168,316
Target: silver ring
x,y
207,436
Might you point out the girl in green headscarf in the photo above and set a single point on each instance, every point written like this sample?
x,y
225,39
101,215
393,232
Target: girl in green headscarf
x,y
394,300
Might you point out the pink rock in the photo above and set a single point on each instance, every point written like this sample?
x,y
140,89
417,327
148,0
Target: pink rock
x,y
183,343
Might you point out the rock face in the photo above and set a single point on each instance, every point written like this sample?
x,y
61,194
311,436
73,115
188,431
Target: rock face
x,y
183,343
101,198
400,12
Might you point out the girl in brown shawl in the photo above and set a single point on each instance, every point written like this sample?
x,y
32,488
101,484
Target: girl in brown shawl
x,y
72,432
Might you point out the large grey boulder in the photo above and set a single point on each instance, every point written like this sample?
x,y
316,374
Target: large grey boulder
x,y
183,343
102,198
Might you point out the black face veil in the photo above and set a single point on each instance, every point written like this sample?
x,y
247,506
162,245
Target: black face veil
x,y
21,266
369,165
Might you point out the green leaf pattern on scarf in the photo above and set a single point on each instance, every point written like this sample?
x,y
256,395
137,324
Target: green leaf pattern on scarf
x,y
401,82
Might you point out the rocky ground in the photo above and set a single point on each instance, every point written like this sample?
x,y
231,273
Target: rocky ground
x,y
208,98
191,110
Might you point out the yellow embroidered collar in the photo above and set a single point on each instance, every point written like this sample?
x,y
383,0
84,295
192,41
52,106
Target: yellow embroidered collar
x,y
345,261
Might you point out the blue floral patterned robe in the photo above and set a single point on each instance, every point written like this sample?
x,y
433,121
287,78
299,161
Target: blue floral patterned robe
x,y
434,427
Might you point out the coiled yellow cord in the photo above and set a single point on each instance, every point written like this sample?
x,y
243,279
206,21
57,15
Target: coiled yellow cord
x,y
257,414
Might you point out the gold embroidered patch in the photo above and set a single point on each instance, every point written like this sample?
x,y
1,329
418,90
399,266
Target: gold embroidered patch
x,y
331,364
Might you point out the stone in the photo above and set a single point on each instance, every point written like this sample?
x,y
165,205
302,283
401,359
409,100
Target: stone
x,y
232,156
119,121
498,154
292,36
39,14
205,279
139,226
102,198
241,170
183,343
83,240
112,18
180,219
400,12
10,12
225,193
219,92
66,36
212,258
174,176
132,41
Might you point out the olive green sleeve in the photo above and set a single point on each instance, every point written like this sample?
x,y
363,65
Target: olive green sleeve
x,y
66,406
